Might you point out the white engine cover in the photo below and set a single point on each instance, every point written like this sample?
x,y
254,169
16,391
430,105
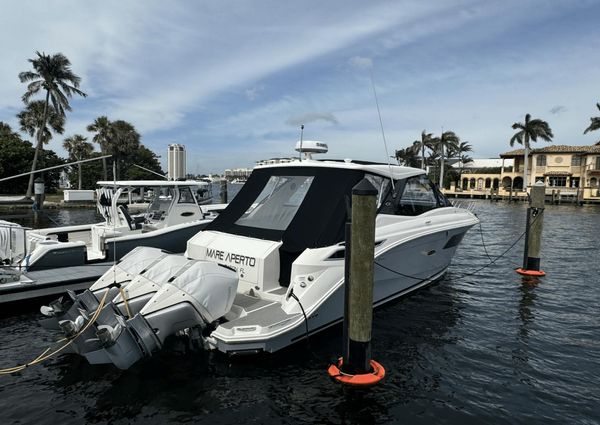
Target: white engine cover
x,y
130,265
256,261
208,286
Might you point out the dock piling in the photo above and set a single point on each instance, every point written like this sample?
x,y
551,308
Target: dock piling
x,y
223,191
39,190
356,368
533,232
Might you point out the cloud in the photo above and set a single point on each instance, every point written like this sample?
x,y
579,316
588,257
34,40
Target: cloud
x,y
361,62
558,109
312,117
252,93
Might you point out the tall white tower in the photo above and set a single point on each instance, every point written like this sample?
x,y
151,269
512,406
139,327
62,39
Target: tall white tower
x,y
176,162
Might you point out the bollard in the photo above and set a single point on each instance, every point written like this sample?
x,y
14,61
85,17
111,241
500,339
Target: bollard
x,y
553,196
510,195
558,195
533,232
224,191
356,368
38,190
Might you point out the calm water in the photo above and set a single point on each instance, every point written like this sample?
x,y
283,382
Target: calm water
x,y
488,348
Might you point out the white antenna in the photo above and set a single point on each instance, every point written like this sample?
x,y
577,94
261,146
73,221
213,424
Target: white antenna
x,y
387,155
116,202
301,137
150,171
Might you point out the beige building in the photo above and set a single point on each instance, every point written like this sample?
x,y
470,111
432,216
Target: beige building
x,y
574,170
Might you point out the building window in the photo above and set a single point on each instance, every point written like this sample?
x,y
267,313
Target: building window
x,y
540,160
539,179
576,161
598,163
557,181
593,182
575,181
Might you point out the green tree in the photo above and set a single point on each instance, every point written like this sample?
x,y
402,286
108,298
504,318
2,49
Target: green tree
x,y
407,157
52,74
104,133
529,131
144,157
461,151
15,158
448,141
426,142
31,120
124,142
595,123
78,149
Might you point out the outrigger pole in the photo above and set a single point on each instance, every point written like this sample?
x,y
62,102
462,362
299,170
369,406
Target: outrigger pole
x,y
56,166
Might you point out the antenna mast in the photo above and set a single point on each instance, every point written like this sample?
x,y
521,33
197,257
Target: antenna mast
x,y
387,155
301,137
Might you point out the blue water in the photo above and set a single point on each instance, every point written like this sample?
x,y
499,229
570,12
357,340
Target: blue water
x,y
487,348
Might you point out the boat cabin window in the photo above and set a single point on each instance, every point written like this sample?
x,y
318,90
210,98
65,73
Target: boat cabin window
x,y
413,196
277,204
418,196
382,184
185,196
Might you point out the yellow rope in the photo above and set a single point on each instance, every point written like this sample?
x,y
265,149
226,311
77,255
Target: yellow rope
x,y
122,291
45,355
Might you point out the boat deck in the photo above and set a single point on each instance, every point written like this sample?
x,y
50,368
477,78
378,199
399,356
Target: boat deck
x,y
51,282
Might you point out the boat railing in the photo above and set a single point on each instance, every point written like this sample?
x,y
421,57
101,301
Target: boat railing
x,y
469,206
6,242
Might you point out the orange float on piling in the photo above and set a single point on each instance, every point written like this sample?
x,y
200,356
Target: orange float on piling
x,y
532,273
358,380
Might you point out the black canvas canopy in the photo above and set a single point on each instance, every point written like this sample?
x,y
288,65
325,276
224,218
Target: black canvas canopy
x,y
318,222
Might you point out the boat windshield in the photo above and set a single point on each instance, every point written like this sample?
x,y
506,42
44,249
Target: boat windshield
x,y
277,204
162,198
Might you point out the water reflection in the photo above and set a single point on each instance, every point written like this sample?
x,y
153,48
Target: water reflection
x,y
526,304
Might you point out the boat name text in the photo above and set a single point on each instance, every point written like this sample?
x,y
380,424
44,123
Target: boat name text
x,y
230,257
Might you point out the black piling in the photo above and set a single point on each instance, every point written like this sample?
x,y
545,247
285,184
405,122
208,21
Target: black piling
x,y
223,191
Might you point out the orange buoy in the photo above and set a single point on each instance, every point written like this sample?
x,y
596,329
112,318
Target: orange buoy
x,y
359,380
533,273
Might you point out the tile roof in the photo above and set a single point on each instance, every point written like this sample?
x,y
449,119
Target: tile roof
x,y
554,149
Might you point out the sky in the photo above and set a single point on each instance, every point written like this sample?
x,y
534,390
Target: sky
x,y
234,80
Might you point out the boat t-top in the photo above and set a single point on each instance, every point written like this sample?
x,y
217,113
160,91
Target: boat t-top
x,y
276,252
48,261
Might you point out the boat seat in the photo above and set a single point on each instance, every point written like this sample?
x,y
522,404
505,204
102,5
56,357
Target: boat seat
x,y
134,223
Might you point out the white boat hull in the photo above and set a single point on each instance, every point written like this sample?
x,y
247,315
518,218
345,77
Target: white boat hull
x,y
410,266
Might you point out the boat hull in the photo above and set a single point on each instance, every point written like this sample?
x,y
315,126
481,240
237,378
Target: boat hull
x,y
399,270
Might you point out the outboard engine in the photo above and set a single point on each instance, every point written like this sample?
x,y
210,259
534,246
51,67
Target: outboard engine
x,y
138,292
200,295
70,306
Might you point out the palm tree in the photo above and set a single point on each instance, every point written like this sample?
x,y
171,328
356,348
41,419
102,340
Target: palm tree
x,y
54,75
420,145
460,151
530,130
447,141
595,122
104,132
124,141
78,148
407,157
31,120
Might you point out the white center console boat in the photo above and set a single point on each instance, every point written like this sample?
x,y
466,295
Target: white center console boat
x,y
48,261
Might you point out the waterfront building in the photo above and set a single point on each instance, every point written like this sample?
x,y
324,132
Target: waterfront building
x,y
237,173
572,170
272,161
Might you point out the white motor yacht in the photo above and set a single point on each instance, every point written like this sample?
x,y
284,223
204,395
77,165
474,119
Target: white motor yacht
x,y
270,268
49,261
